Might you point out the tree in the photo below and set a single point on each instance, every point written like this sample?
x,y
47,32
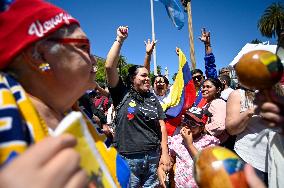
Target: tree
x,y
174,76
159,69
121,63
272,21
124,71
101,74
256,41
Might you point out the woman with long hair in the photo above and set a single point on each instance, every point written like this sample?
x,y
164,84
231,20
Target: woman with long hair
x,y
215,109
140,134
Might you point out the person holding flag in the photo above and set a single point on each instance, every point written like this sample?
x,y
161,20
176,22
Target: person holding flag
x,y
187,92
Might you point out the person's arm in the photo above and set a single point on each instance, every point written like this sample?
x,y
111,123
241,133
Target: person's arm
x,y
236,122
210,66
205,38
102,91
165,158
217,125
113,57
149,50
187,136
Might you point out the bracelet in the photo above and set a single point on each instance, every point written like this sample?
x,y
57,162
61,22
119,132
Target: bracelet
x,y
149,53
118,41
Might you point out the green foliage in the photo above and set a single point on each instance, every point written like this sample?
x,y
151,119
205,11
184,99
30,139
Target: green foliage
x,y
272,21
159,69
122,69
174,76
101,75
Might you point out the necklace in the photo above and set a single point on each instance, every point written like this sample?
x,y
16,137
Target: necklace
x,y
46,111
34,118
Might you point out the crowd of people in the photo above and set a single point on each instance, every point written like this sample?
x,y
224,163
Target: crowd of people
x,y
47,47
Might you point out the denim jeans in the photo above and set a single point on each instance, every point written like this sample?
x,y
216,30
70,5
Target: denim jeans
x,y
143,168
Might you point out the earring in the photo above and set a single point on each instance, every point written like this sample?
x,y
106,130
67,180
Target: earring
x,y
44,67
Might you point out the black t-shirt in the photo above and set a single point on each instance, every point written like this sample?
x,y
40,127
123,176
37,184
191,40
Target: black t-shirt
x,y
137,121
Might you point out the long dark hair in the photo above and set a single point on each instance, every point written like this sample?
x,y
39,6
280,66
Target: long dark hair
x,y
132,72
218,84
162,76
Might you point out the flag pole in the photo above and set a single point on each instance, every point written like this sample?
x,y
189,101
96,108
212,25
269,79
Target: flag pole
x,y
153,37
191,45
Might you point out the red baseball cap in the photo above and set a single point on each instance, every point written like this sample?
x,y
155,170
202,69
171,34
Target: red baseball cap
x,y
196,114
25,22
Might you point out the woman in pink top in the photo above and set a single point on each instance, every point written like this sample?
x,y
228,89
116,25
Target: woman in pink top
x,y
215,109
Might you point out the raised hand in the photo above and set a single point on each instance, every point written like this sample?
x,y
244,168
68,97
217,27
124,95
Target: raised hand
x,y
205,36
186,135
122,33
177,51
150,45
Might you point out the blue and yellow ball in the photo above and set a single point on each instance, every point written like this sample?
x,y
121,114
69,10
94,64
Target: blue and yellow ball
x,y
259,69
218,167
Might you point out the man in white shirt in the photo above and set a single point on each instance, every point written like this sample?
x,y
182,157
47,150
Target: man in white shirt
x,y
226,81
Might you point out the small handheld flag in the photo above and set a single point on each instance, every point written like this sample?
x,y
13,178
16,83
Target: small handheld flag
x,y
103,164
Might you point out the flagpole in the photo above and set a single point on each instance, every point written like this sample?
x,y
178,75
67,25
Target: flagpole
x,y
153,37
191,45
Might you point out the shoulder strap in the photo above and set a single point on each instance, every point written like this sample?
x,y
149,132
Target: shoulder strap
x,y
114,122
122,101
101,102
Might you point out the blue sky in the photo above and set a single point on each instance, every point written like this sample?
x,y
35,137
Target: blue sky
x,y
232,24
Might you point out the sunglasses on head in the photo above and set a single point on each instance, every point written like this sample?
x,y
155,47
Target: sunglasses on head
x,y
199,77
190,123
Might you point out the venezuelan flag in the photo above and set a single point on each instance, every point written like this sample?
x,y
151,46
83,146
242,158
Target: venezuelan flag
x,y
199,100
182,95
101,161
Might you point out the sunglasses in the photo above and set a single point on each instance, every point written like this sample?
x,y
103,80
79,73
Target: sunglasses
x,y
159,82
84,43
190,123
198,78
84,46
225,71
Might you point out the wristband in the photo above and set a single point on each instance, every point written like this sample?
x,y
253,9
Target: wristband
x,y
118,41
